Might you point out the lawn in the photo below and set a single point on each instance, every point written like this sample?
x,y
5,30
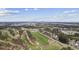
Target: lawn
x,y
44,43
41,38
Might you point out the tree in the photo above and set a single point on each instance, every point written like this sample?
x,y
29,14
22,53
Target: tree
x,y
63,38
47,29
55,31
76,34
40,30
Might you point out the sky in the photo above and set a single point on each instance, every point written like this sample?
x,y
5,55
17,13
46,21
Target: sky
x,y
39,14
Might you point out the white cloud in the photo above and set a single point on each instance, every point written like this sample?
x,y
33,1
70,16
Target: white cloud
x,y
4,12
12,11
70,11
35,9
69,17
26,9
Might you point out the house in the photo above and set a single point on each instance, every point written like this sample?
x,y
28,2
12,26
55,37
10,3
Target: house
x,y
77,44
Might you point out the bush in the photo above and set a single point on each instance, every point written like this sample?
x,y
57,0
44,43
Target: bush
x,y
77,34
11,31
47,29
66,48
31,36
63,38
3,35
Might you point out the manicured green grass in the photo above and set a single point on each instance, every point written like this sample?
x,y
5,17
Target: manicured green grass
x,y
41,38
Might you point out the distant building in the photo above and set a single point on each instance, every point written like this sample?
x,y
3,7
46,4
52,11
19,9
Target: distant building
x,y
69,32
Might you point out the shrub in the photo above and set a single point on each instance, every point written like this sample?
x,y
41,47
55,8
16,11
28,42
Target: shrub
x,y
66,48
63,38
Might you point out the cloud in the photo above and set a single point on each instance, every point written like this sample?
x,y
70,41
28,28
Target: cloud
x,y
4,12
12,11
70,11
26,9
68,17
35,9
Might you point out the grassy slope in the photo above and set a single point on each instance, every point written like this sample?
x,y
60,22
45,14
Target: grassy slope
x,y
41,39
52,45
